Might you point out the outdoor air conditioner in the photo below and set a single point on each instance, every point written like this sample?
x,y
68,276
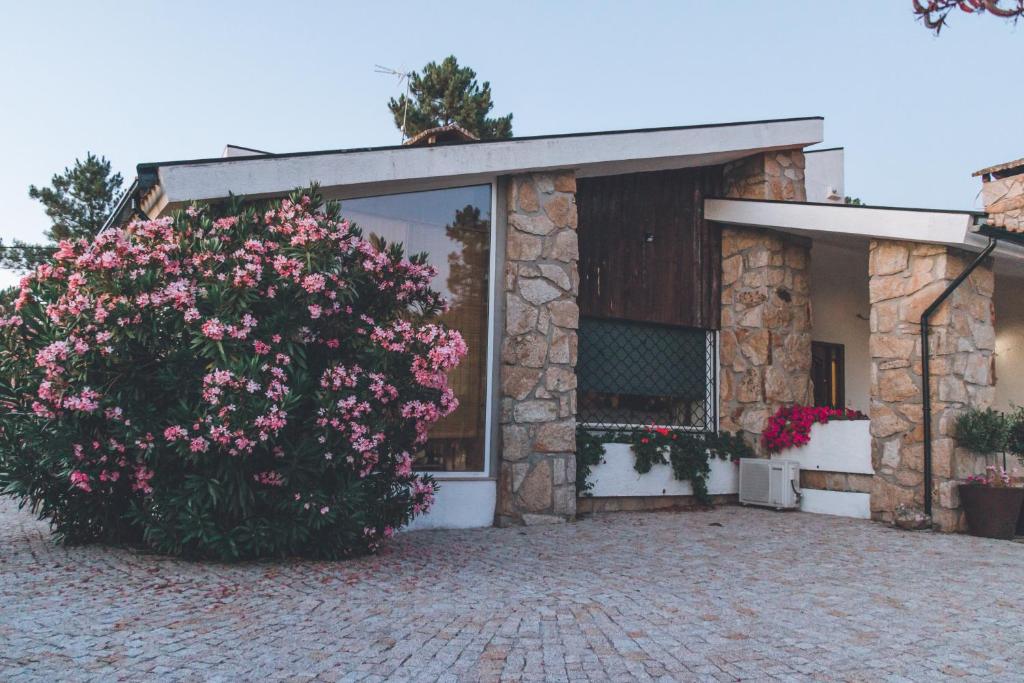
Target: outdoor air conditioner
x,y
772,483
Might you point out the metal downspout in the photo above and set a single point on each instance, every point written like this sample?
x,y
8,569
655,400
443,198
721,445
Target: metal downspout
x,y
925,374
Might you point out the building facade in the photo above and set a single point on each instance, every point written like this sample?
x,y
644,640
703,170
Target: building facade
x,y
675,277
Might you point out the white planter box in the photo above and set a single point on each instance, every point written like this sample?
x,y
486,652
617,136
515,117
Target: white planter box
x,y
614,476
840,446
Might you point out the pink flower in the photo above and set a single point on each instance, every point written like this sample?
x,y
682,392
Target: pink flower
x,y
213,329
80,480
313,283
198,445
174,433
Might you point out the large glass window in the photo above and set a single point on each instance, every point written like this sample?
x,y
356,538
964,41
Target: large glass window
x,y
637,374
454,227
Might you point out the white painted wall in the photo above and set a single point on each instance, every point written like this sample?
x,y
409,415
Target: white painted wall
x,y
460,504
838,446
824,175
1009,341
615,477
839,503
840,308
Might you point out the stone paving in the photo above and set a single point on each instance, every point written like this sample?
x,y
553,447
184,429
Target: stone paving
x,y
729,594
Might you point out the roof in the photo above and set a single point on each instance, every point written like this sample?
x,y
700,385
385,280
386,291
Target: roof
x,y
1009,165
379,170
936,226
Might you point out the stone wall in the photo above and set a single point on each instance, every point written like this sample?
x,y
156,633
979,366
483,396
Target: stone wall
x,y
905,278
771,175
1004,202
537,471
765,341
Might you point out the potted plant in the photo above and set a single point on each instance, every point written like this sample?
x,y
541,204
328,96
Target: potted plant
x,y
1015,444
991,502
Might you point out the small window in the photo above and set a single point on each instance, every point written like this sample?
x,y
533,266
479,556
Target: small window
x,y
637,374
828,374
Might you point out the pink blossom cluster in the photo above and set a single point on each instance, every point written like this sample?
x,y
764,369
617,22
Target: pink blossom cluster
x,y
790,426
994,476
214,292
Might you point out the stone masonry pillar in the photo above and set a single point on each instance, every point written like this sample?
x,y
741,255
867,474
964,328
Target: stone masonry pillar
x,y
765,339
905,278
537,480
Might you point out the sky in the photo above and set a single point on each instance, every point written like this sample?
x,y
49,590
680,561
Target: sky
x,y
152,81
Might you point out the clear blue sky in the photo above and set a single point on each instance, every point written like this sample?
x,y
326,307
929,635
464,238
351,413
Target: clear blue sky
x,y
148,81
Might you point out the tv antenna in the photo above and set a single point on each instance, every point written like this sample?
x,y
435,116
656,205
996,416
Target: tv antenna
x,y
402,76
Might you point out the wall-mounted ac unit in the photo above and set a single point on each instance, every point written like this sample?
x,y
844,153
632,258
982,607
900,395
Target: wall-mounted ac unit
x,y
772,483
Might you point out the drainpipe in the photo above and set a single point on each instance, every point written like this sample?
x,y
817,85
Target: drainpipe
x,y
925,376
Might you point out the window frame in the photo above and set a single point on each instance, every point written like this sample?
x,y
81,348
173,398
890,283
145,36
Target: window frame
x,y
492,184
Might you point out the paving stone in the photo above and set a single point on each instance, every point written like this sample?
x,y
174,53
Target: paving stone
x,y
651,596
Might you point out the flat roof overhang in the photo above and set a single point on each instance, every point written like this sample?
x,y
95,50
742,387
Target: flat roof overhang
x,y
348,173
962,229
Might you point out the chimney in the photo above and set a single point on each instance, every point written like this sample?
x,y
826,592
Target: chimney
x,y
1002,190
442,135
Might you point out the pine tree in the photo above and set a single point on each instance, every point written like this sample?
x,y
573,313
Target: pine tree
x,y
447,93
78,204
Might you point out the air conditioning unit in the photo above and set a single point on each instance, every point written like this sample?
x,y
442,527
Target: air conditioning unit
x,y
772,483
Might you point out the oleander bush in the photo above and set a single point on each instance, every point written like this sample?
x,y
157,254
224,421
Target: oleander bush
x,y
241,380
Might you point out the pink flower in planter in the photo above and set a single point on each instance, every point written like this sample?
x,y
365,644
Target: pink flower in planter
x,y
791,425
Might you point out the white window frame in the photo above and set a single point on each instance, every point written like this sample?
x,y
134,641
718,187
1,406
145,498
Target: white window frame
x,y
489,361
492,183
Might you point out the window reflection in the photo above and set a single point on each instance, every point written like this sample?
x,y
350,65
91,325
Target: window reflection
x,y
453,226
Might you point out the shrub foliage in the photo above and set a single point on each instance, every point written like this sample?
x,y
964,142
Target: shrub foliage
x,y
236,381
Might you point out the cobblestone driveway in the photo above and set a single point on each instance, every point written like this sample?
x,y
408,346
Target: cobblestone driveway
x,y
725,595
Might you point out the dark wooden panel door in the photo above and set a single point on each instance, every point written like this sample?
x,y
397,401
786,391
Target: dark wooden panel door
x,y
646,252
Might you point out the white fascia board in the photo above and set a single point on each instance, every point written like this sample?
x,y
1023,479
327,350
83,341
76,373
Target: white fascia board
x,y
938,227
680,147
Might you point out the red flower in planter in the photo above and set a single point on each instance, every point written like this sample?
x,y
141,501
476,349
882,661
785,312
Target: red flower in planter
x,y
791,425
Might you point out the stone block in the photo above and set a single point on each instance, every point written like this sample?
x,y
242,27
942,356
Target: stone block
x,y
538,291
522,246
888,258
561,210
557,378
563,246
556,274
529,350
534,494
526,197
565,313
518,381
515,442
538,224
536,411
520,316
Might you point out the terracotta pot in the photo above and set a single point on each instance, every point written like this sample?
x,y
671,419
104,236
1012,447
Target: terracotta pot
x,y
992,512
